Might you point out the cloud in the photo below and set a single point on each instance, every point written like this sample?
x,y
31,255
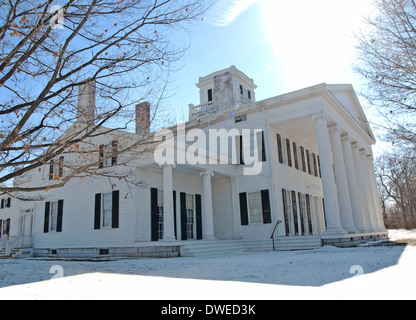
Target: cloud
x,y
225,12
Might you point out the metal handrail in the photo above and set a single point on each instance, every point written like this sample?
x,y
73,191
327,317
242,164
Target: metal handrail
x,y
274,230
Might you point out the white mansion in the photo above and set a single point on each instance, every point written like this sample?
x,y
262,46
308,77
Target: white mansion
x,y
315,184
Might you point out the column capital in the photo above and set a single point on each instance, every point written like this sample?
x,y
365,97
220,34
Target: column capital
x,y
319,115
345,136
207,173
333,127
161,166
354,145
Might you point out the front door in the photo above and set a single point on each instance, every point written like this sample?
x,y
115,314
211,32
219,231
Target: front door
x,y
27,227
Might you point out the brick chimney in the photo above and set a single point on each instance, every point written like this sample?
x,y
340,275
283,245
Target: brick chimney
x,y
86,111
143,118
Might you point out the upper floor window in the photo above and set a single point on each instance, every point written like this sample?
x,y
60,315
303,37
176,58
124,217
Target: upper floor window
x,y
6,203
210,95
108,155
241,90
249,94
56,168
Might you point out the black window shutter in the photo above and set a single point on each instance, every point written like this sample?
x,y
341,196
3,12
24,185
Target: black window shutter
x,y
114,150
8,227
97,214
116,209
183,216
154,213
174,214
263,148
280,148
198,206
46,221
285,213
1,226
101,156
60,215
265,201
51,169
243,209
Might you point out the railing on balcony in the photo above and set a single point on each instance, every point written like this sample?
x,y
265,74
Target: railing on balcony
x,y
203,108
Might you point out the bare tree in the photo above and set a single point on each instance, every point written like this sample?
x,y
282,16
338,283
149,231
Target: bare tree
x,y
48,52
388,63
397,179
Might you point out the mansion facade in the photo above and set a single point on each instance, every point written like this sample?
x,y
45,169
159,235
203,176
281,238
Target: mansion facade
x,y
314,182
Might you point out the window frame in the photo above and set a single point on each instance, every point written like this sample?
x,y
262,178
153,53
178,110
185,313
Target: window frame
x,y
251,215
105,224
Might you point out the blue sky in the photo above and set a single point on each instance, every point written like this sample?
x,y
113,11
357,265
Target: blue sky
x,y
283,45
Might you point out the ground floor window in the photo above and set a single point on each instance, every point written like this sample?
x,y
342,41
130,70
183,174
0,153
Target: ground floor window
x,y
297,213
4,228
160,215
107,209
190,217
53,216
256,208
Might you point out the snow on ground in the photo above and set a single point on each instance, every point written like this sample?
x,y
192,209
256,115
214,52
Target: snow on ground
x,y
326,273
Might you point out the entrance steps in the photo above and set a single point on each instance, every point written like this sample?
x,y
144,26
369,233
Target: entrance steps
x,y
209,247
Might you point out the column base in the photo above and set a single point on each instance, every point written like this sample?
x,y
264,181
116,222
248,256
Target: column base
x,y
209,237
168,240
334,232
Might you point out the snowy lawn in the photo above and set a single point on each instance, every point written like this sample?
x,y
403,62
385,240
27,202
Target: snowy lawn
x,y
328,273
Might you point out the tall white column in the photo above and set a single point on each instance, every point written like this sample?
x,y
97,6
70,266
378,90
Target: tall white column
x,y
207,213
328,179
236,211
353,184
168,213
341,181
365,211
379,211
370,194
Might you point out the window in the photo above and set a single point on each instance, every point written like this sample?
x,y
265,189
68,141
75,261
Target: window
x,y
309,213
295,155
308,159
190,216
56,169
280,148
302,211
241,89
302,155
295,212
107,209
106,212
4,228
289,153
53,216
249,94
240,149
160,215
255,206
261,147
286,211
319,167
315,165
108,155
210,95
6,203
